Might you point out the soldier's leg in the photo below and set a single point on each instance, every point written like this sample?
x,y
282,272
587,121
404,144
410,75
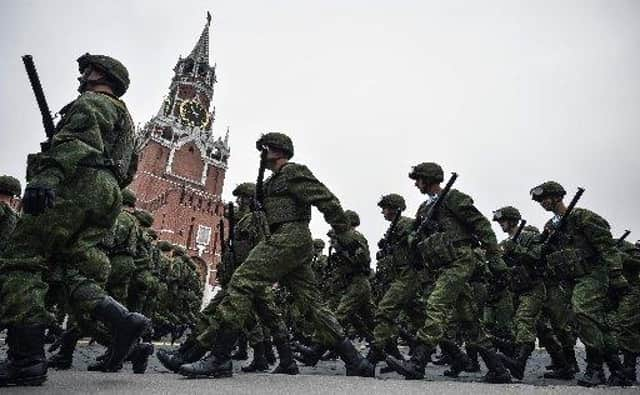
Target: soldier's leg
x,y
627,324
354,307
122,269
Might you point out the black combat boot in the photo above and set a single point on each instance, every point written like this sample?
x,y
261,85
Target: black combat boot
x,y
259,362
497,374
617,376
139,357
459,360
561,369
189,351
630,359
268,352
310,355
413,369
126,328
474,364
442,359
217,363
517,364
355,364
26,364
593,375
286,365
63,359
570,356
241,352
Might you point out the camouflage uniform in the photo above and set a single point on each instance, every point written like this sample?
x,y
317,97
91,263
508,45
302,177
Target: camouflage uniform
x,y
9,187
585,255
449,252
144,286
284,257
70,204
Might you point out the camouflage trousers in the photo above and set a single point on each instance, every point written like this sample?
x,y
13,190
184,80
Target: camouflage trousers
x,y
529,308
625,320
284,258
403,290
64,239
452,300
497,315
556,326
118,283
356,308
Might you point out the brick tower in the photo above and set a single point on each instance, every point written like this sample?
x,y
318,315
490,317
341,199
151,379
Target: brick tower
x,y
182,164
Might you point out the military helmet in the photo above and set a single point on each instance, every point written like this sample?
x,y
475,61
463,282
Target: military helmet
x,y
179,250
508,213
115,70
164,245
245,189
128,198
318,244
152,233
429,171
546,189
393,201
276,140
352,217
144,217
10,186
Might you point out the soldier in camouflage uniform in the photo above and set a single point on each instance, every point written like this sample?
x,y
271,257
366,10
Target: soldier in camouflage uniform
x,y
449,251
404,279
526,283
143,286
284,258
9,189
71,202
626,319
320,268
585,255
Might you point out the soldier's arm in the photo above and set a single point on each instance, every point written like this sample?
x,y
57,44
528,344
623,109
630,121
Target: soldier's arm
x,y
306,188
79,136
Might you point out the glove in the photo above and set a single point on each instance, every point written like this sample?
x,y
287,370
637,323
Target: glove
x,y
37,199
618,283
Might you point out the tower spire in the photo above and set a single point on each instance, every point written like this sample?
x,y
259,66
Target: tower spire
x,y
200,53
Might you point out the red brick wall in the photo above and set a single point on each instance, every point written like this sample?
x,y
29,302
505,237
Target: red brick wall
x,y
187,162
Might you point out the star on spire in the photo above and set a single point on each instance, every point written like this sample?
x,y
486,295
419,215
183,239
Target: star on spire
x,y
200,53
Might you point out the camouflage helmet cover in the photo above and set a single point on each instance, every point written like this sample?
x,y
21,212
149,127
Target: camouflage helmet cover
x,y
318,244
179,250
352,217
112,67
10,186
431,172
128,198
152,233
393,201
245,189
144,217
276,140
546,189
164,245
508,213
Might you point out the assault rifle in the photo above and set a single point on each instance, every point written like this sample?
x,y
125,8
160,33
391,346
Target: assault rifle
x,y
427,224
258,203
622,238
34,80
232,230
516,235
553,235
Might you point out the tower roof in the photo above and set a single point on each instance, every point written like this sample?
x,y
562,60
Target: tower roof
x,y
200,53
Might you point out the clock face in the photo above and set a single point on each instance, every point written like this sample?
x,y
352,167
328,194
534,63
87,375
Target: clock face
x,y
193,114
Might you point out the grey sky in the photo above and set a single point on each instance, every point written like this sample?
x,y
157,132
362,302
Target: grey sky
x,y
506,93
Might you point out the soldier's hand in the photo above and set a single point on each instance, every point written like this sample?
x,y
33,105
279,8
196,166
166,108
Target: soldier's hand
x,y
37,199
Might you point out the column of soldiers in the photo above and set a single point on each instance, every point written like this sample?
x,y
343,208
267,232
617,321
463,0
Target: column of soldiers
x,y
443,280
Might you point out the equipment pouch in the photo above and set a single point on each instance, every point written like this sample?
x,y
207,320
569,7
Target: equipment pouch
x,y
567,264
437,250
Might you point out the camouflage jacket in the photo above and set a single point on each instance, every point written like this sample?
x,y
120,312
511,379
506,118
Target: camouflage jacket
x,y
396,253
123,239
290,193
8,221
96,130
526,265
630,262
589,235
